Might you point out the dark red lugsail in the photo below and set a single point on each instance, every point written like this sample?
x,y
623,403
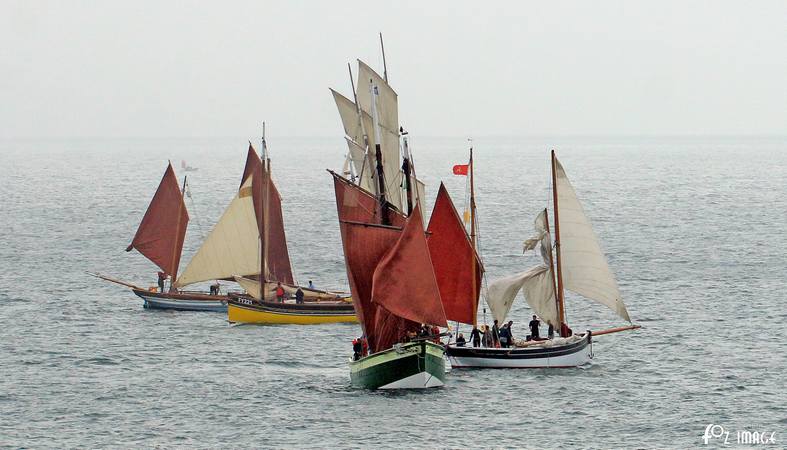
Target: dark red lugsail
x,y
404,282
365,243
270,221
455,261
278,256
252,163
162,230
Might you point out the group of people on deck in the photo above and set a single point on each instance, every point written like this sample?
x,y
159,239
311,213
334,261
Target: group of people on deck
x,y
500,336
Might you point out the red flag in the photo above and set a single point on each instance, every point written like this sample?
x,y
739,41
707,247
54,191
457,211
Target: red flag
x,y
461,169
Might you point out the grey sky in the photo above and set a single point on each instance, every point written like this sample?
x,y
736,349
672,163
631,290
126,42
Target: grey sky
x,y
149,68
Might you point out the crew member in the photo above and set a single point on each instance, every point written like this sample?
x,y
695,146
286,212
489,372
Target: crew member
x,y
299,296
279,293
534,328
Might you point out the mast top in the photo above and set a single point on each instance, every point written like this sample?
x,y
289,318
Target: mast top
x,y
382,48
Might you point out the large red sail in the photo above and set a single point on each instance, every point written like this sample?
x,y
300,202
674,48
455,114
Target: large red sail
x,y
404,281
162,230
277,255
455,262
270,219
365,243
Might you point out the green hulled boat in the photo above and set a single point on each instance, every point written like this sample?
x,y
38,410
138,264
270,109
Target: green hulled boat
x,y
405,366
399,279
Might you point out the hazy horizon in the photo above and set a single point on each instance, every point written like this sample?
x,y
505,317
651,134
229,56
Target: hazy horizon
x,y
569,69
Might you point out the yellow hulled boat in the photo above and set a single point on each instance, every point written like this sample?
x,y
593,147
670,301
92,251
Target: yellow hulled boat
x,y
245,309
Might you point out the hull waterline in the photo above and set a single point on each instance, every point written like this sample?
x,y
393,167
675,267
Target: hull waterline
x,y
182,301
416,365
573,353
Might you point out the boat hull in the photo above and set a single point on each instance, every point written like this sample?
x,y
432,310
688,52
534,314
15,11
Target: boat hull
x,y
182,301
245,310
572,354
416,365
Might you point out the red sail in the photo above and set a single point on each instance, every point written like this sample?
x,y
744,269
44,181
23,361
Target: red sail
x,y
365,243
252,164
278,256
163,228
270,221
404,282
455,261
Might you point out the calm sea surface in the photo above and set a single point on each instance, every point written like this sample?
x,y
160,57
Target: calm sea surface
x,y
693,228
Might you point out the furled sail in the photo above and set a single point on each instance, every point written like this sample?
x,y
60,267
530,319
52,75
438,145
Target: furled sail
x,y
456,265
162,230
232,247
404,281
584,266
536,283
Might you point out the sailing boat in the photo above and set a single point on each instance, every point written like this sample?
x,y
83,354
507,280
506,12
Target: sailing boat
x,y
160,239
268,259
580,266
396,283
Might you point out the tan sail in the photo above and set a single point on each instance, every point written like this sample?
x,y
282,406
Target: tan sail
x,y
584,266
232,247
388,114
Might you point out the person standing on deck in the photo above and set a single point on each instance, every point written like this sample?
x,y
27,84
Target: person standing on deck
x,y
495,335
487,340
510,333
311,285
161,278
504,336
534,328
299,296
279,293
475,336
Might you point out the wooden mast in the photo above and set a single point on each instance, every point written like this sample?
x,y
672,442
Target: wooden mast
x,y
379,156
180,206
263,205
554,281
472,234
385,68
560,299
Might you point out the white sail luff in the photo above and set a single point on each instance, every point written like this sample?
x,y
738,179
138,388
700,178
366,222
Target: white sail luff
x,y
232,247
583,264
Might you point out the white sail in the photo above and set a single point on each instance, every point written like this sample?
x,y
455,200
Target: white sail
x,y
583,264
537,283
362,165
232,247
388,114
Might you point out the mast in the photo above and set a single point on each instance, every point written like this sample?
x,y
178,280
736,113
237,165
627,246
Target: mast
x,y
560,299
360,121
379,156
472,232
183,202
263,206
385,68
407,169
554,282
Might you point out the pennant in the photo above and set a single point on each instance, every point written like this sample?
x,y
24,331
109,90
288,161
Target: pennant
x,y
461,169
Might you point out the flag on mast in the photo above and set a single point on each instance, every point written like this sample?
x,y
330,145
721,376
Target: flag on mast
x,y
461,169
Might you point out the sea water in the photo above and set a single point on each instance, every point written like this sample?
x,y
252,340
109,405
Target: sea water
x,y
694,230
